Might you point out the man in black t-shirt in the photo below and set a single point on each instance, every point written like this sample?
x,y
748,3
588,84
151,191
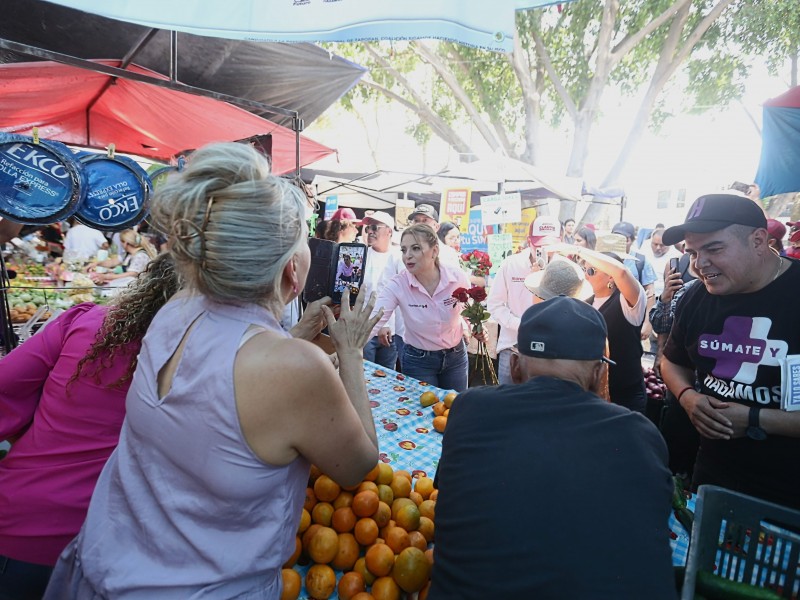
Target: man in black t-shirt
x,y
545,489
728,341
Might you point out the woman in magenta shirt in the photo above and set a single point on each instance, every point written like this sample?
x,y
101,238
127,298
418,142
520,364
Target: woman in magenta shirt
x,y
62,402
434,350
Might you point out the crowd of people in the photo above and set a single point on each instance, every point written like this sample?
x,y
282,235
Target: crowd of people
x,y
147,460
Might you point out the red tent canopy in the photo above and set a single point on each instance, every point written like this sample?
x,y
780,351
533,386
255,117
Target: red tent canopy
x,y
138,118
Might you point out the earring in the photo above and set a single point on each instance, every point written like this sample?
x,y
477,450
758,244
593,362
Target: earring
x,y
294,288
610,285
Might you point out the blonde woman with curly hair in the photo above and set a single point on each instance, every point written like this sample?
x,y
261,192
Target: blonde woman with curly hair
x,y
226,412
62,399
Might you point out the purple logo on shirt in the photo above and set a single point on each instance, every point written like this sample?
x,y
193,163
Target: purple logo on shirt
x,y
741,347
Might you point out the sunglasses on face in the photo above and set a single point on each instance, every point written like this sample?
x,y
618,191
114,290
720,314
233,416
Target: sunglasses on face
x,y
590,271
375,228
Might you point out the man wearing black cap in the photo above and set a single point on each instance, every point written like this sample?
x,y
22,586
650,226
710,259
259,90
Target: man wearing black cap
x,y
532,474
729,338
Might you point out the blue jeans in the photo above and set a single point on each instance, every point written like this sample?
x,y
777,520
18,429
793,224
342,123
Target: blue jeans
x,y
446,369
20,580
504,367
399,345
375,352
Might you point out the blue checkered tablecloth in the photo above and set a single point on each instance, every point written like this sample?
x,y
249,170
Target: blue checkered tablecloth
x,y
679,537
406,437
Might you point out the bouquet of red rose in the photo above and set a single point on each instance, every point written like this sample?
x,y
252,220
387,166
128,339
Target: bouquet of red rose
x,y
477,263
475,312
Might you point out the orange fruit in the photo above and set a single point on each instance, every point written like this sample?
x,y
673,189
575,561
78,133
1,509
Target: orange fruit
x,y
373,474
310,500
385,474
379,560
418,540
305,521
322,513
411,570
428,509
385,493
298,550
343,499
424,486
367,486
313,474
320,582
365,503
326,489
398,504
385,530
403,473
426,528
428,398
309,534
423,593
292,583
343,520
351,584
361,568
366,531
383,515
385,588
323,546
347,553
363,596
448,399
434,495
439,423
415,497
438,409
397,539
446,412
408,517
429,555
401,487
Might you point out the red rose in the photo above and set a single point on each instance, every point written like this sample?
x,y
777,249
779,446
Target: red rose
x,y
461,295
477,293
465,257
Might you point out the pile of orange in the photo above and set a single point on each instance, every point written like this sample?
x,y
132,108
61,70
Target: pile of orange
x,y
441,410
378,533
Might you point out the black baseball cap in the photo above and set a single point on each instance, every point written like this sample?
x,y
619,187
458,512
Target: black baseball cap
x,y
425,209
624,228
713,212
564,328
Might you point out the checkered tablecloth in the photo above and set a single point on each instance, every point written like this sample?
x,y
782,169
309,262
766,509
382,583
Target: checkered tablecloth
x,y
679,537
406,437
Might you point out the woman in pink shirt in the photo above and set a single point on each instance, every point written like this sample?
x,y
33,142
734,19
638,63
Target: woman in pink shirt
x,y
62,402
434,351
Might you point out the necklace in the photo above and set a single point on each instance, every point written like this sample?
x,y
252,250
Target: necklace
x,y
778,272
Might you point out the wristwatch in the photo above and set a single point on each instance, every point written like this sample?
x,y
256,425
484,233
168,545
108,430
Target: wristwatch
x,y
754,432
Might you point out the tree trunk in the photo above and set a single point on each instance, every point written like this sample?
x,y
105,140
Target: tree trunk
x,y
778,203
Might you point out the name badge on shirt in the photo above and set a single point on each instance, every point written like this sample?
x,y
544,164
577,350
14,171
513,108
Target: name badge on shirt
x,y
790,383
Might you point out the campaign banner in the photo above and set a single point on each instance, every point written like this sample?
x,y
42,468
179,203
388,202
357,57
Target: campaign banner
x,y
501,208
519,230
499,248
472,237
455,205
331,205
403,210
477,23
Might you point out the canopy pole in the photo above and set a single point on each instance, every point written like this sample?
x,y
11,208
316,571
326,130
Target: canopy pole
x,y
297,125
173,56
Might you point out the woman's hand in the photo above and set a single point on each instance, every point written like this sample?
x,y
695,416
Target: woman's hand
x,y
480,336
312,322
351,331
97,278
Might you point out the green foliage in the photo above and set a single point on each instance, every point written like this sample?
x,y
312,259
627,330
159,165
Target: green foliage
x,y
715,82
770,28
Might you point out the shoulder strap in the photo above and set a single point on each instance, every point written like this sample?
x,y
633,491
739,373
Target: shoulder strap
x,y
639,264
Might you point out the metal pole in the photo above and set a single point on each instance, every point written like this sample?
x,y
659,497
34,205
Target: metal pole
x,y
173,56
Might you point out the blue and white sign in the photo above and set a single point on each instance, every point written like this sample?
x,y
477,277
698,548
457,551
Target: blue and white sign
x,y
331,205
40,183
473,238
119,193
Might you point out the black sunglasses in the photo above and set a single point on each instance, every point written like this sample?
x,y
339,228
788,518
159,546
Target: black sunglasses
x,y
375,228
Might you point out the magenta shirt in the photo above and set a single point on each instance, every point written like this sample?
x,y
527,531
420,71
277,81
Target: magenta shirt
x,y
48,477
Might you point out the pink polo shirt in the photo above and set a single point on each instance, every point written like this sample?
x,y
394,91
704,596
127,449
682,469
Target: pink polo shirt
x,y
432,322
508,296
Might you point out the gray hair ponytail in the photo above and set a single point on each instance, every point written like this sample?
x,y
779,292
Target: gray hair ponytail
x,y
232,226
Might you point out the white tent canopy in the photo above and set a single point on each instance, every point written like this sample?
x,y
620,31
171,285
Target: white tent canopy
x,y
481,23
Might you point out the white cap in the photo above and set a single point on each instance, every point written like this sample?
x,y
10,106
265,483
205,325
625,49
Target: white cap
x,y
381,217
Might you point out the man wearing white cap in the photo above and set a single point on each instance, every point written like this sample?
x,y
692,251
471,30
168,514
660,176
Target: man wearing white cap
x,y
508,296
383,262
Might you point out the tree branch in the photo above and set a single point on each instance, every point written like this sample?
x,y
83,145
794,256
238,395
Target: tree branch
x,y
427,53
634,39
544,56
530,95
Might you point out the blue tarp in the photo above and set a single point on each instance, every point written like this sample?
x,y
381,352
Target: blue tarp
x,y
779,168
